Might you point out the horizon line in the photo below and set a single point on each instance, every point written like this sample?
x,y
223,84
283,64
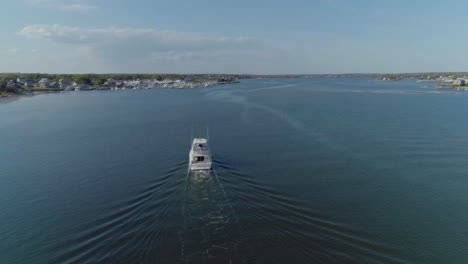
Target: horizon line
x,y
251,74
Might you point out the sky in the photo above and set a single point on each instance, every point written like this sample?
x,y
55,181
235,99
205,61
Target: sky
x,y
253,37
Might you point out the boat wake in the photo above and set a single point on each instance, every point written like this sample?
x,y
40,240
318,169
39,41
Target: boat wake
x,y
239,97
137,229
211,230
275,222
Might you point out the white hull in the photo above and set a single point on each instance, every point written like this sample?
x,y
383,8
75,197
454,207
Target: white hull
x,y
200,156
200,166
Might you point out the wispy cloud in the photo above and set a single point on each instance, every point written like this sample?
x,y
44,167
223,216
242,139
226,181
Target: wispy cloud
x,y
146,49
149,39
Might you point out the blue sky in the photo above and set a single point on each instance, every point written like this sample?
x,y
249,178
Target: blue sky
x,y
261,37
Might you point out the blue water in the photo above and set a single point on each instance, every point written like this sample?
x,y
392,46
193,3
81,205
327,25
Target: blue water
x,y
320,170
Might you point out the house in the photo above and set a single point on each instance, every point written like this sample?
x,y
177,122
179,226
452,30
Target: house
x,y
65,84
13,84
459,82
109,83
43,83
55,85
80,86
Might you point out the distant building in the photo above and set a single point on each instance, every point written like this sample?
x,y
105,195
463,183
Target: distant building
x,y
55,85
65,84
109,83
29,85
13,84
80,86
459,82
43,83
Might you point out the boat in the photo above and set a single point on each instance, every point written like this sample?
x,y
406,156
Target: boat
x,y
200,156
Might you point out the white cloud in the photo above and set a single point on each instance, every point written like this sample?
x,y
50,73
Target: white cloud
x,y
124,49
128,43
158,37
14,50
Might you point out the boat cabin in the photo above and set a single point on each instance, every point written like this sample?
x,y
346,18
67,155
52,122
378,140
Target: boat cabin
x,y
200,157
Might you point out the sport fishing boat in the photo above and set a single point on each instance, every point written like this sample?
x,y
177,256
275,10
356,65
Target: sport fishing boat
x,y
200,156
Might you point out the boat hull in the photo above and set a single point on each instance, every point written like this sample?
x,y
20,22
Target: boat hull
x,y
200,166
200,156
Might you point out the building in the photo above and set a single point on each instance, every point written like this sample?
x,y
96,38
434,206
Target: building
x,y
43,83
80,86
459,82
109,83
65,84
13,84
55,85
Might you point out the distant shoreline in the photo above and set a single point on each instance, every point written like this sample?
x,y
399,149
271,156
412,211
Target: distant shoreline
x,y
179,82
19,84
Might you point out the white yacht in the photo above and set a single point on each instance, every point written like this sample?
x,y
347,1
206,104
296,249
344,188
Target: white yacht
x,y
200,156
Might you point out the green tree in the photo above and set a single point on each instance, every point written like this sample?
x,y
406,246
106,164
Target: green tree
x,y
100,82
2,84
82,79
56,77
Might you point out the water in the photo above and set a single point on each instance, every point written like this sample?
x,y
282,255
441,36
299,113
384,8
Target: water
x,y
305,171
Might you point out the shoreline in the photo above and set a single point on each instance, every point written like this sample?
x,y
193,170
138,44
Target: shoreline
x,y
9,96
13,96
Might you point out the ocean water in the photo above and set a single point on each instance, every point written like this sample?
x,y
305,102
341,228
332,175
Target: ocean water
x,y
320,170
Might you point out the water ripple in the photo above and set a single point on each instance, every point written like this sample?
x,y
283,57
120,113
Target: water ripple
x,y
126,223
285,224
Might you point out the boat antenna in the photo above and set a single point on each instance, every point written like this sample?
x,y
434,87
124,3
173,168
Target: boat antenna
x,y
207,133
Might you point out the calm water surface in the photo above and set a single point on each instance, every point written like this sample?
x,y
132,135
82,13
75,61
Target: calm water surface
x,y
305,171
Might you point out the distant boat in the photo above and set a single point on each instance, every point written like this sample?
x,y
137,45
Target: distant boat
x,y
200,156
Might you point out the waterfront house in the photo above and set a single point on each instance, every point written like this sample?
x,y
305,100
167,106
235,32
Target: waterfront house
x,y
80,86
13,84
29,85
119,84
459,82
43,83
109,83
55,85
65,84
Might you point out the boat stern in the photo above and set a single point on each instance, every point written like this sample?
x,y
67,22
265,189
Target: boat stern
x,y
200,166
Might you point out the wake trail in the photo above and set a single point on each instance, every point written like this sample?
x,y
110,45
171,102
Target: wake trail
x,y
236,96
273,87
211,229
